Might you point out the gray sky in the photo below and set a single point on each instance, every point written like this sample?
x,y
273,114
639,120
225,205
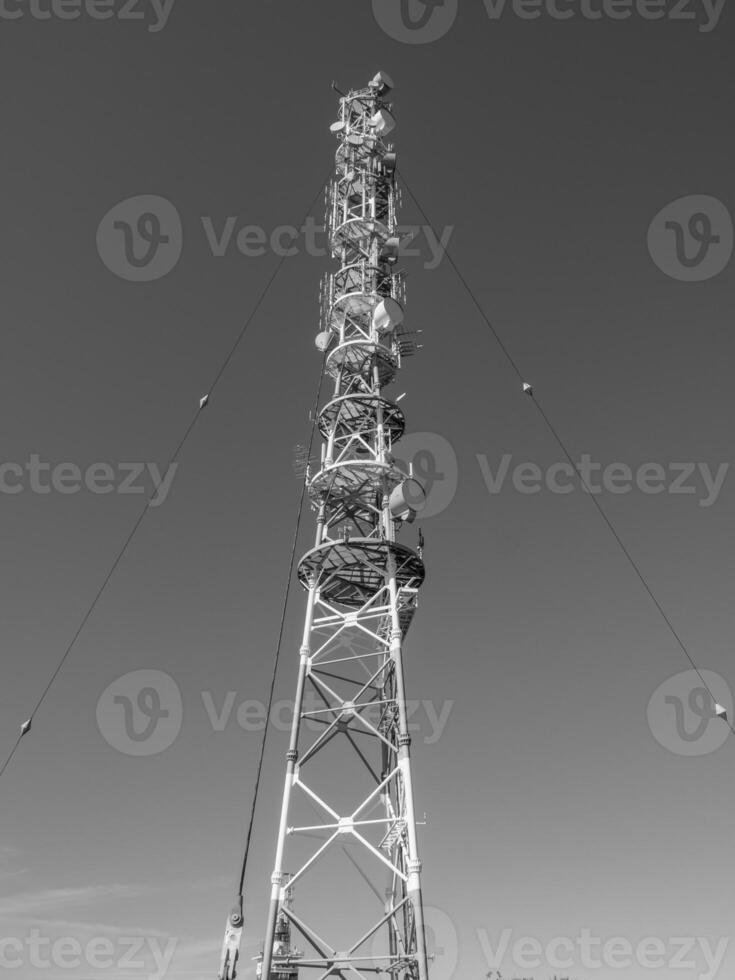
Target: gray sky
x,y
549,147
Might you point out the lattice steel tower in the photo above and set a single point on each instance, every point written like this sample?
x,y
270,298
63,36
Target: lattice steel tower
x,y
348,803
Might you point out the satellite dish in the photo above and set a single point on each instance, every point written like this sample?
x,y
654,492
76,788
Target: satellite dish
x,y
323,340
407,500
387,315
383,122
389,250
337,127
382,82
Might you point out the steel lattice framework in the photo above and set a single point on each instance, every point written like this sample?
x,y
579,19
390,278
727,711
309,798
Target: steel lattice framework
x,y
362,587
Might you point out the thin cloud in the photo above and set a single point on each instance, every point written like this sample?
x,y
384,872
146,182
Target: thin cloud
x,y
4,874
51,899
94,929
10,855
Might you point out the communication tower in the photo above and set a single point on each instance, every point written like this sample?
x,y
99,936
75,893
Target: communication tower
x,y
347,811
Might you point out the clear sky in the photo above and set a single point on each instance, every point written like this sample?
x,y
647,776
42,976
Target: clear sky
x,y
548,146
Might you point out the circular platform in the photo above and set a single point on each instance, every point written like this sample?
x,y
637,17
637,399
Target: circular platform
x,y
355,230
359,302
359,356
358,481
351,572
360,275
359,413
351,152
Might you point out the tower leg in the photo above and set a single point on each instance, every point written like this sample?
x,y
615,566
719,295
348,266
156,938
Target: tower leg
x,y
277,878
404,763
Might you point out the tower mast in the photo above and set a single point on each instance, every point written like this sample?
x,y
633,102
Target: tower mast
x,y
347,810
